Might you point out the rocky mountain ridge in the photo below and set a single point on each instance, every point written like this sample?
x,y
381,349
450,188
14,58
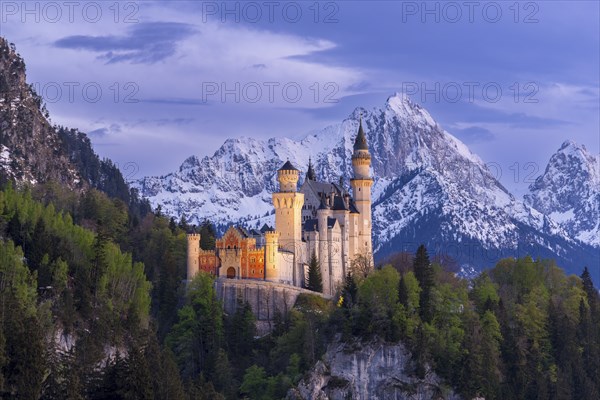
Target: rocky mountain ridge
x,y
33,151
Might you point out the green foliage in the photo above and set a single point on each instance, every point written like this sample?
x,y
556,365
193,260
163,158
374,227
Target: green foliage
x,y
207,235
377,302
197,336
314,281
484,293
350,291
90,269
255,384
241,330
523,329
20,330
424,273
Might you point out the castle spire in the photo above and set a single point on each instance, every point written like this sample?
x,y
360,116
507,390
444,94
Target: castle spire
x,y
310,174
361,140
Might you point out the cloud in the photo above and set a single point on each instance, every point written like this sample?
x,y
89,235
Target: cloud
x,y
144,43
474,134
481,113
176,101
100,133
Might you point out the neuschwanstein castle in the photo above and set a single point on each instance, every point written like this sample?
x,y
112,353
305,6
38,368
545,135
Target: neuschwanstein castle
x,y
321,217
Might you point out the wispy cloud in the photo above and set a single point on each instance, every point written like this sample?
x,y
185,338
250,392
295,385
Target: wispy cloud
x,y
144,43
474,134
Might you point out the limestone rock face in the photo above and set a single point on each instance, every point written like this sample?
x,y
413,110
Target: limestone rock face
x,y
375,370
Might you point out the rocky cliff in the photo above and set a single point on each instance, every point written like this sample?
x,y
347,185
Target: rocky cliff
x,y
369,371
33,151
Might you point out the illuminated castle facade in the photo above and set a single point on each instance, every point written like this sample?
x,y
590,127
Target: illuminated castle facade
x,y
320,218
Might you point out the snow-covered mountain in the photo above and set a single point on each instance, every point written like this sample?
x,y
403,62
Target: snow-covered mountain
x,y
569,192
429,188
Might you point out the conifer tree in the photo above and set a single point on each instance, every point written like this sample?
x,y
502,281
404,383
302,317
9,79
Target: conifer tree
x,y
314,281
425,275
350,291
590,290
403,292
207,235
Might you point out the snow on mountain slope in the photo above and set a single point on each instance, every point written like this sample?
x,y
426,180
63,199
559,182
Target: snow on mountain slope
x,y
429,187
569,192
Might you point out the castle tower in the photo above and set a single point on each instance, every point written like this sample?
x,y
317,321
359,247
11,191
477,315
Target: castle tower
x,y
271,247
323,213
361,189
288,207
288,215
193,255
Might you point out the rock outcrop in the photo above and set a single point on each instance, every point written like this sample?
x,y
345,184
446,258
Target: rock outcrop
x,y
373,370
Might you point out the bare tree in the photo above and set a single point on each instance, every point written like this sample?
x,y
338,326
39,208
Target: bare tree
x,y
362,265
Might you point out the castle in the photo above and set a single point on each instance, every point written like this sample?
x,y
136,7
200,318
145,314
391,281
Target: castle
x,y
321,218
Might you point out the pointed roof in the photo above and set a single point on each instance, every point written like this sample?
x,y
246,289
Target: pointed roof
x,y
323,205
311,225
266,228
361,140
310,174
288,167
339,203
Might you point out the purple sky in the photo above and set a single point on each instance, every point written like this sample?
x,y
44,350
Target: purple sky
x,y
177,78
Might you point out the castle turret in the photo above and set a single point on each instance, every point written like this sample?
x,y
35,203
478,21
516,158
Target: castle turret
x,y
361,189
288,215
323,214
271,248
193,255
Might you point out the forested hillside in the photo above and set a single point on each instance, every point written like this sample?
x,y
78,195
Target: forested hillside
x,y
83,317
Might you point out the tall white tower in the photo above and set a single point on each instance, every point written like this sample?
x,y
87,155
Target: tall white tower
x,y
288,215
361,189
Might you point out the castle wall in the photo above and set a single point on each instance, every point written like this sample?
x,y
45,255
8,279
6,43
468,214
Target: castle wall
x,y
264,298
208,262
285,264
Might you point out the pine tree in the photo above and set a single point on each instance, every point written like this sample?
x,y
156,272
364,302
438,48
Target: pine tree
x,y
314,281
207,236
590,290
425,275
403,292
137,383
350,291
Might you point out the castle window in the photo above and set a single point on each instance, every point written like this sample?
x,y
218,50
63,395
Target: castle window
x,y
252,259
261,271
252,272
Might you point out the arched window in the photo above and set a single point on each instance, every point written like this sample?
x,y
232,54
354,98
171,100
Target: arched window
x,y
230,273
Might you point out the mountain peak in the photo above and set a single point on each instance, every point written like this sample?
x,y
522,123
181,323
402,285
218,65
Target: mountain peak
x,y
401,106
568,143
572,147
568,191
